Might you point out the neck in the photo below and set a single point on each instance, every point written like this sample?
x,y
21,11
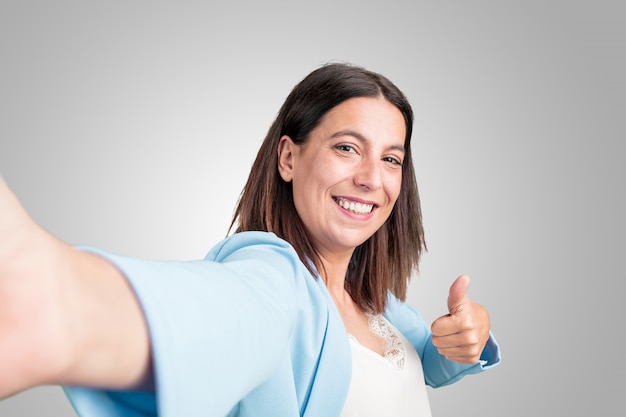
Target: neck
x,y
334,275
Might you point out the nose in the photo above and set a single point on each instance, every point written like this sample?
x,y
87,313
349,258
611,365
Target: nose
x,y
368,175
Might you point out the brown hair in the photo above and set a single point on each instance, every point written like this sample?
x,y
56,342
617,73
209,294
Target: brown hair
x,y
385,261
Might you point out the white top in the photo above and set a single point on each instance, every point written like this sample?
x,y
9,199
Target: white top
x,y
390,385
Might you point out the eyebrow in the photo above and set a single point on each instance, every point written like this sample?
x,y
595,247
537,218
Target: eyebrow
x,y
362,138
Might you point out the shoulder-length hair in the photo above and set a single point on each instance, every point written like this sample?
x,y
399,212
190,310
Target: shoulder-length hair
x,y
386,260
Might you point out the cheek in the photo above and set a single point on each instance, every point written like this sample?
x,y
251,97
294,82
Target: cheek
x,y
393,188
399,187
321,174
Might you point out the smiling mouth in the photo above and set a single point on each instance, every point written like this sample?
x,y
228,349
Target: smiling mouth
x,y
353,206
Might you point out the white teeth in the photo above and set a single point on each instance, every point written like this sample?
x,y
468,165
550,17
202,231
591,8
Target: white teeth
x,y
357,208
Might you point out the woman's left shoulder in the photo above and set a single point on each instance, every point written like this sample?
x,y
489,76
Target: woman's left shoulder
x,y
406,318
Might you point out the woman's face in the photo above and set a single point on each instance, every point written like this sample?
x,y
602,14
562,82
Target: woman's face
x,y
347,176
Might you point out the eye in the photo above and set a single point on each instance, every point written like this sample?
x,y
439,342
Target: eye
x,y
346,148
393,160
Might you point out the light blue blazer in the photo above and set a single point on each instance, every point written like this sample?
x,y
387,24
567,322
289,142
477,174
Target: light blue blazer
x,y
248,331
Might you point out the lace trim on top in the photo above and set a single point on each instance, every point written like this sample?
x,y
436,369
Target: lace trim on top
x,y
394,348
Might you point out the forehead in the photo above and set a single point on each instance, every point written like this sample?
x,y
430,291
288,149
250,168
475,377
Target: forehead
x,y
374,118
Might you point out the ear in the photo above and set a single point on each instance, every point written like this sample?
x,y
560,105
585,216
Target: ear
x,y
286,153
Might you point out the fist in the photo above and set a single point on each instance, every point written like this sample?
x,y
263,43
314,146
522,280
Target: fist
x,y
461,334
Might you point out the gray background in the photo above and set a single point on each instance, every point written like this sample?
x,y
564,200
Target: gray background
x,y
132,125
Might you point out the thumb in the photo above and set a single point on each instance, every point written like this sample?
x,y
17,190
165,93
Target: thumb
x,y
456,296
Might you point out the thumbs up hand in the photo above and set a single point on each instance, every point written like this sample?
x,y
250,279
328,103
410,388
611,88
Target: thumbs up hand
x,y
461,334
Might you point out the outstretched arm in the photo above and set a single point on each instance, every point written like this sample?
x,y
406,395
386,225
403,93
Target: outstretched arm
x,y
66,317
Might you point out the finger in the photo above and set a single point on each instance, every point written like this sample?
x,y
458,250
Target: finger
x,y
456,295
451,324
459,340
443,326
464,354
468,360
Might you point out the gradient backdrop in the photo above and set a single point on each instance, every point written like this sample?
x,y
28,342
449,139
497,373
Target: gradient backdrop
x,y
131,125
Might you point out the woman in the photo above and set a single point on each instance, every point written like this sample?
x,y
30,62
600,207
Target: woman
x,y
297,313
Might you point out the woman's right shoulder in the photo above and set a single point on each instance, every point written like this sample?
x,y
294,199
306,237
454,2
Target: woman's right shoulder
x,y
253,240
261,251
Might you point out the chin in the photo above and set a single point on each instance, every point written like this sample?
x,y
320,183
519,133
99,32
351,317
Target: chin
x,y
356,242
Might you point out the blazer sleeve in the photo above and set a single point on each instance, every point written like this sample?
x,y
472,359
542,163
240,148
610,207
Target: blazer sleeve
x,y
218,328
438,371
